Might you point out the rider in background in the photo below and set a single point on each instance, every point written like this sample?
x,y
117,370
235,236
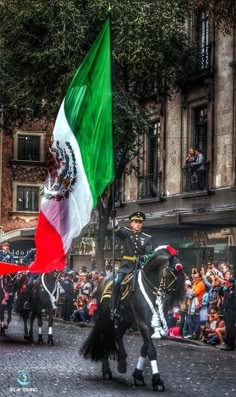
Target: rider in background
x,y
5,254
136,244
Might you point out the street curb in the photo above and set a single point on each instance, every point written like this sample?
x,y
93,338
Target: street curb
x,y
170,338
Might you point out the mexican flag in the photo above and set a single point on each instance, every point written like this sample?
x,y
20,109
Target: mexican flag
x,y
8,268
81,157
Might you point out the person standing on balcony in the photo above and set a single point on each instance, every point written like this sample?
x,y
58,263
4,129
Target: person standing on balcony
x,y
191,158
136,244
199,166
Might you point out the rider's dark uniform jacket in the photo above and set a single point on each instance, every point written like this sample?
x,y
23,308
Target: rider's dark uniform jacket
x,y
6,256
135,244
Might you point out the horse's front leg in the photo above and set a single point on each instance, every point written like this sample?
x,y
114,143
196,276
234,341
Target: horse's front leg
x,y
157,383
40,325
138,372
2,325
32,318
9,311
25,317
122,355
50,324
106,370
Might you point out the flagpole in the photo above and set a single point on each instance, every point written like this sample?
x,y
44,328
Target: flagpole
x,y
113,211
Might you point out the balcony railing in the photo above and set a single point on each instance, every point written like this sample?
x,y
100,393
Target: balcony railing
x,y
149,186
195,178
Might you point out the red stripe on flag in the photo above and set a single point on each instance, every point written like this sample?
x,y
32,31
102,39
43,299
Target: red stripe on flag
x,y
50,254
8,268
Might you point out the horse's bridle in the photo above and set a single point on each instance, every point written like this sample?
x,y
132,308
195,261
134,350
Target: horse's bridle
x,y
163,287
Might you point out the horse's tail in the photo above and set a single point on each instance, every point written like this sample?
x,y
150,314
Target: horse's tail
x,y
101,342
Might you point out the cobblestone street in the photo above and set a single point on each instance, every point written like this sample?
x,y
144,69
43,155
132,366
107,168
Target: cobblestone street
x,y
187,369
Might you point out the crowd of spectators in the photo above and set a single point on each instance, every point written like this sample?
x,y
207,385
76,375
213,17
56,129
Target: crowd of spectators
x,y
78,301
208,311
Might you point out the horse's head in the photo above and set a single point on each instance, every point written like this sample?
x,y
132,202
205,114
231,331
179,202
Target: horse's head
x,y
165,272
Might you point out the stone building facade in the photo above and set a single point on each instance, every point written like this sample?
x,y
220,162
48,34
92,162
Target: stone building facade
x,y
195,211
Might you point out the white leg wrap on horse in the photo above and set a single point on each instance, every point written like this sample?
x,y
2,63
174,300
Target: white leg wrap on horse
x,y
40,330
141,362
49,330
154,367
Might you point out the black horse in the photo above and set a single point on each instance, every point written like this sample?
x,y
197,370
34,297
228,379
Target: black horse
x,y
44,295
7,291
158,285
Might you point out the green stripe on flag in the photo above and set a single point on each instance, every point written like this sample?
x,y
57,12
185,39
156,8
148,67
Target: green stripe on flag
x,y
88,109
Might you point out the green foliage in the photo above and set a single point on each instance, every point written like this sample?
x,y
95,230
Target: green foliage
x,y
43,42
39,53
222,12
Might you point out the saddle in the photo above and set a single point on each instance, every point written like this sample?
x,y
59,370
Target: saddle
x,y
126,288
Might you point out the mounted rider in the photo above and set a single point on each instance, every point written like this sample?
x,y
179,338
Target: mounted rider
x,y
136,244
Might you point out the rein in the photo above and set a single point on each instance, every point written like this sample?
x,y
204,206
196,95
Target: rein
x,y
162,287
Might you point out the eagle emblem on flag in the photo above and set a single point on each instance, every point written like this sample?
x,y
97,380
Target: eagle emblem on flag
x,y
62,172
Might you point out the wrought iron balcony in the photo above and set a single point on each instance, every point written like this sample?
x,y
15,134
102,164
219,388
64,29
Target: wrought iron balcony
x,y
195,178
149,186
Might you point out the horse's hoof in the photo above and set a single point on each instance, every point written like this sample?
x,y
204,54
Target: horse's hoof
x,y
138,377
107,375
157,383
40,339
122,367
2,332
50,340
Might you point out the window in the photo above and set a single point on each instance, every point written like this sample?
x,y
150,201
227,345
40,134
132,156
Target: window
x,y
154,148
28,148
200,129
202,41
27,198
149,183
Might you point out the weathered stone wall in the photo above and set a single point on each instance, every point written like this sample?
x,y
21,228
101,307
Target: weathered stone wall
x,y
223,172
173,146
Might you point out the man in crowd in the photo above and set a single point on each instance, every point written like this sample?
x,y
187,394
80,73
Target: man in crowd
x,y
197,292
229,312
136,244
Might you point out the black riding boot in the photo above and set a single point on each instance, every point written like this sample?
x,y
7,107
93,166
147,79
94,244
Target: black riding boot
x,y
116,293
